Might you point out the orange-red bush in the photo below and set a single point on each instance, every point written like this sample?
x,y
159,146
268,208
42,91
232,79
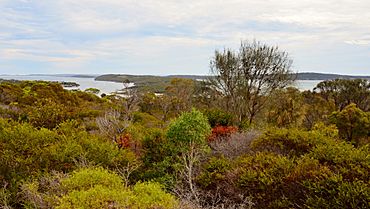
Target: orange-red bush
x,y
222,132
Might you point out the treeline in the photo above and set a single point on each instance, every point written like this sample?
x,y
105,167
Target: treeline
x,y
231,142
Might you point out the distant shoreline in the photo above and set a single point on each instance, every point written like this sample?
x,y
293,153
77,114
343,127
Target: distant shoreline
x,y
300,76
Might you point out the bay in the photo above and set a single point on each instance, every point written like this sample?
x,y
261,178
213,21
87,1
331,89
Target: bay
x,y
108,87
105,87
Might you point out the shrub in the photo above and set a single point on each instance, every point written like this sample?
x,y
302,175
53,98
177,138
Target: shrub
x,y
214,171
336,193
345,159
189,128
96,188
352,122
222,132
150,195
217,117
261,176
290,142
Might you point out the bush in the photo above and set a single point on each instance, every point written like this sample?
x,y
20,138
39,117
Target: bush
x,y
214,171
336,193
261,176
96,188
189,128
290,142
150,195
218,117
352,122
222,132
345,159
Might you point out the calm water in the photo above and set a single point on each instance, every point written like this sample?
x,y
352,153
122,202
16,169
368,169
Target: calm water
x,y
110,87
85,83
306,84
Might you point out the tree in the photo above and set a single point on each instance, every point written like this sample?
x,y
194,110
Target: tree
x,y
286,108
247,76
181,91
189,133
93,91
344,92
352,122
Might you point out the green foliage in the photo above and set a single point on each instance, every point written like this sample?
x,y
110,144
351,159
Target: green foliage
x,y
28,152
92,90
217,117
96,198
190,127
263,171
290,142
150,195
214,171
286,108
96,188
352,122
342,157
47,114
343,92
335,193
262,175
158,159
87,178
317,109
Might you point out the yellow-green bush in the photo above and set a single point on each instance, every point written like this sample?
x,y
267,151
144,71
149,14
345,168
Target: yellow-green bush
x,y
95,188
290,142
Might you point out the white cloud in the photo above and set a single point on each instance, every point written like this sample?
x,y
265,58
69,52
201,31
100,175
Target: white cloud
x,y
152,31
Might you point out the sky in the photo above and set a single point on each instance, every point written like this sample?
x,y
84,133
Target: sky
x,y
163,37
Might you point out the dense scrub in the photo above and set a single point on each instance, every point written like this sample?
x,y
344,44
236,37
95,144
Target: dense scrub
x,y
183,149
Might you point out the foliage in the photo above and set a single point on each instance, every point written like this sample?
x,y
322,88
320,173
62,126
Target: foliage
x,y
151,195
290,142
92,90
95,187
190,128
72,149
352,122
245,77
29,152
217,117
336,193
286,108
343,92
261,173
214,171
222,132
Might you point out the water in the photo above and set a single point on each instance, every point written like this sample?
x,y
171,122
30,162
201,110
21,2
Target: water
x,y
108,87
304,85
85,83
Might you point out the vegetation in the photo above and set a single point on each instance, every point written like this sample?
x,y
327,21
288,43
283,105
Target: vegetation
x,y
193,146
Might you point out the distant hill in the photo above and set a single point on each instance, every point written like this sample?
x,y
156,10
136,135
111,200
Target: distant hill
x,y
152,78
326,76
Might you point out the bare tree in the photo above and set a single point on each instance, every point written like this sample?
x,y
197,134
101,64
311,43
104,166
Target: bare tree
x,y
246,77
111,124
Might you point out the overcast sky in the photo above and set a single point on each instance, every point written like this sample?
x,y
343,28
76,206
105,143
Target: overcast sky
x,y
178,36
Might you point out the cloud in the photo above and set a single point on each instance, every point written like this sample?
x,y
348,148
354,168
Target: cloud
x,y
174,36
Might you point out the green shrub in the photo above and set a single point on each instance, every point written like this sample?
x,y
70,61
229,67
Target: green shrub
x,y
345,159
217,117
336,193
352,122
214,171
86,178
290,142
97,197
150,195
95,188
190,128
